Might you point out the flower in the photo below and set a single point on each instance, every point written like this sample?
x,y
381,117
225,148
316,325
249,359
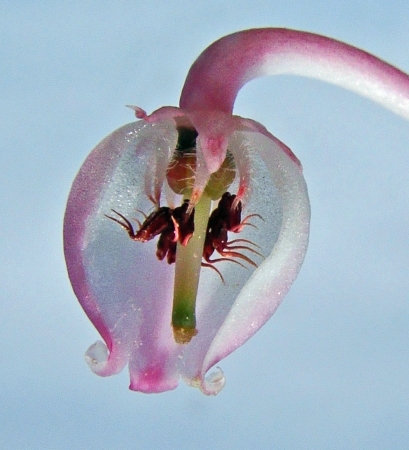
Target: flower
x,y
201,182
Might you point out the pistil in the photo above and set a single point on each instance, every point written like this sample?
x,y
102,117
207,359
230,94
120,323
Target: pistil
x,y
181,175
187,276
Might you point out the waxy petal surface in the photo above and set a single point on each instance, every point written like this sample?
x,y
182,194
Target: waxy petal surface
x,y
127,292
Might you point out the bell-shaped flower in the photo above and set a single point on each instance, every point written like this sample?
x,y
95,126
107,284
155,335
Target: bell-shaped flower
x,y
184,230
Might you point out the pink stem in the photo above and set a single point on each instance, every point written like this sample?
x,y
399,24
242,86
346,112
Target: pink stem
x,y
225,66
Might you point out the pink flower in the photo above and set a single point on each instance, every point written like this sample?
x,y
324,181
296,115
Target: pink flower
x,y
140,258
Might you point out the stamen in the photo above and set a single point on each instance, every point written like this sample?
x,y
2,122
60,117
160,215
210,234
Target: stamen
x,y
216,269
230,254
234,241
126,225
245,222
242,247
213,261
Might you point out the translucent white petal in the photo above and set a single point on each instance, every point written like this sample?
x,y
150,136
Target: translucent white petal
x,y
266,288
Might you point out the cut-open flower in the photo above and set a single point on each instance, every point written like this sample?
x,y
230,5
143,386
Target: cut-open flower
x,y
184,230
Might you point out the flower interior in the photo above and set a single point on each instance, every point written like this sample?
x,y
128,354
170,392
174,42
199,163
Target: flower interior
x,y
190,235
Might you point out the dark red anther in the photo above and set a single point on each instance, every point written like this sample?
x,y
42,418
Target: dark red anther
x,y
223,219
156,223
185,222
166,247
180,230
230,216
172,226
177,225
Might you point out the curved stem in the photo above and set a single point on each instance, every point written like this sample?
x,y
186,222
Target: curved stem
x,y
225,66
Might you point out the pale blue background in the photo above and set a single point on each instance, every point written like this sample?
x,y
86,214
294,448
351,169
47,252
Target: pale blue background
x,y
331,369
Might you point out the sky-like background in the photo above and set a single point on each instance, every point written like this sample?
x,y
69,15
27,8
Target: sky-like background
x,y
330,370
